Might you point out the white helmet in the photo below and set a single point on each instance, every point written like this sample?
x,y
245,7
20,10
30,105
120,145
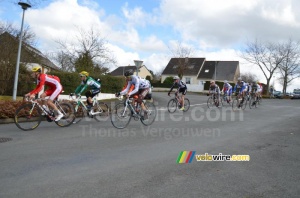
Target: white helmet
x,y
176,78
225,81
239,78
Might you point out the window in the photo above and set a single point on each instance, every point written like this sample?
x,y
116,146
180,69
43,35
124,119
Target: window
x,y
188,80
175,66
191,66
206,71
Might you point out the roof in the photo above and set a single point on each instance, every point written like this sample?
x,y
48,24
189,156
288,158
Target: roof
x,y
194,65
120,70
225,70
34,53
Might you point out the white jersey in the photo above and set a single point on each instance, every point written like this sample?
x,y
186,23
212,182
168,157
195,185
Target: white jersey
x,y
139,83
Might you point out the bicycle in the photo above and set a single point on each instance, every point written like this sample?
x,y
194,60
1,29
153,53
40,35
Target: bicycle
x,y
99,109
123,112
239,102
174,103
29,116
213,101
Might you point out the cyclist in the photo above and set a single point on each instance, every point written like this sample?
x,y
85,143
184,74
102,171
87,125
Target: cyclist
x,y
87,81
255,90
259,89
182,88
227,90
240,87
137,88
248,90
214,88
55,88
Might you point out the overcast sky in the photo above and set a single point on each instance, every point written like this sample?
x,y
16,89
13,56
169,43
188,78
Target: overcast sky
x,y
146,29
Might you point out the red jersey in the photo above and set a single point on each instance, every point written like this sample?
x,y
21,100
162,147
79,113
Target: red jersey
x,y
51,81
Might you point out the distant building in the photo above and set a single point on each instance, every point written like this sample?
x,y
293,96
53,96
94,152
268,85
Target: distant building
x,y
198,70
30,56
143,71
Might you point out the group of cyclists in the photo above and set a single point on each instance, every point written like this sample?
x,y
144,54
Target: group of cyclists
x,y
242,88
135,87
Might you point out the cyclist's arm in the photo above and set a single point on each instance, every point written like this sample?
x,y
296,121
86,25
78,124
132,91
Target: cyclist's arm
x,y
82,88
40,85
171,89
125,90
136,87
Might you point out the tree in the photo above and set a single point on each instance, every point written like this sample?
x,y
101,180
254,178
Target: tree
x,y
249,77
182,53
289,69
267,56
89,52
9,40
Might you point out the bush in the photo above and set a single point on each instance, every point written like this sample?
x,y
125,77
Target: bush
x,y
168,80
109,84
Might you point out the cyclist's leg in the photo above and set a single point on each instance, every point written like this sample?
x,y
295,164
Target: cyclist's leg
x,y
53,95
141,96
89,96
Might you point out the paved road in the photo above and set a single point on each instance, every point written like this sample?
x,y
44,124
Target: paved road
x,y
93,159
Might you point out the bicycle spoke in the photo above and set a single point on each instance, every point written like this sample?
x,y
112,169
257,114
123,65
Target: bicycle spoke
x,y
172,105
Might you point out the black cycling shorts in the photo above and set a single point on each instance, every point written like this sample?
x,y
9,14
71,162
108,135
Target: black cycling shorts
x,y
182,90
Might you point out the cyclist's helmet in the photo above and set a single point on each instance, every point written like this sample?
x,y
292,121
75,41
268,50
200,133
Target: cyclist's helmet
x,y
212,82
128,72
36,69
225,81
84,73
176,78
239,79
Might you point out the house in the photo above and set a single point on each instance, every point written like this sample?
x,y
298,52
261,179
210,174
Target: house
x,y
220,71
30,56
143,71
198,70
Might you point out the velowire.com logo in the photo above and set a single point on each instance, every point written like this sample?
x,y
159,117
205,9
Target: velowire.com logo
x,y
186,157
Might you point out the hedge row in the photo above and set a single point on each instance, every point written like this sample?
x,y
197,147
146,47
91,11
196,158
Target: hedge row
x,y
109,84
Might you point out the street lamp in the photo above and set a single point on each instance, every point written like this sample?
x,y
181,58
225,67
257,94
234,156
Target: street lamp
x,y
138,64
24,7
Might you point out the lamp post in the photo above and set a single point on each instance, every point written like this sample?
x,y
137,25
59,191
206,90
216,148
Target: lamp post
x,y
24,7
138,64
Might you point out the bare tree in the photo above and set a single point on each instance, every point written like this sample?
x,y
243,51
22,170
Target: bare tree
x,y
249,77
182,53
88,52
29,37
267,56
289,69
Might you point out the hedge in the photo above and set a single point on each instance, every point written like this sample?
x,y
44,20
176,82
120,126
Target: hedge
x,y
109,84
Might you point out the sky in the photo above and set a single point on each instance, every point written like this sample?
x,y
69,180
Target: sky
x,y
147,29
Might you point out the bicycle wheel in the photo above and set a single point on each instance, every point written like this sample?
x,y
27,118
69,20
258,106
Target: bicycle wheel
x,y
69,114
210,103
28,117
102,111
79,114
150,116
252,103
244,104
120,116
186,104
172,105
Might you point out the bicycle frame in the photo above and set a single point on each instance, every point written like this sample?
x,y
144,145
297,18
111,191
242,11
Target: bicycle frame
x,y
79,102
